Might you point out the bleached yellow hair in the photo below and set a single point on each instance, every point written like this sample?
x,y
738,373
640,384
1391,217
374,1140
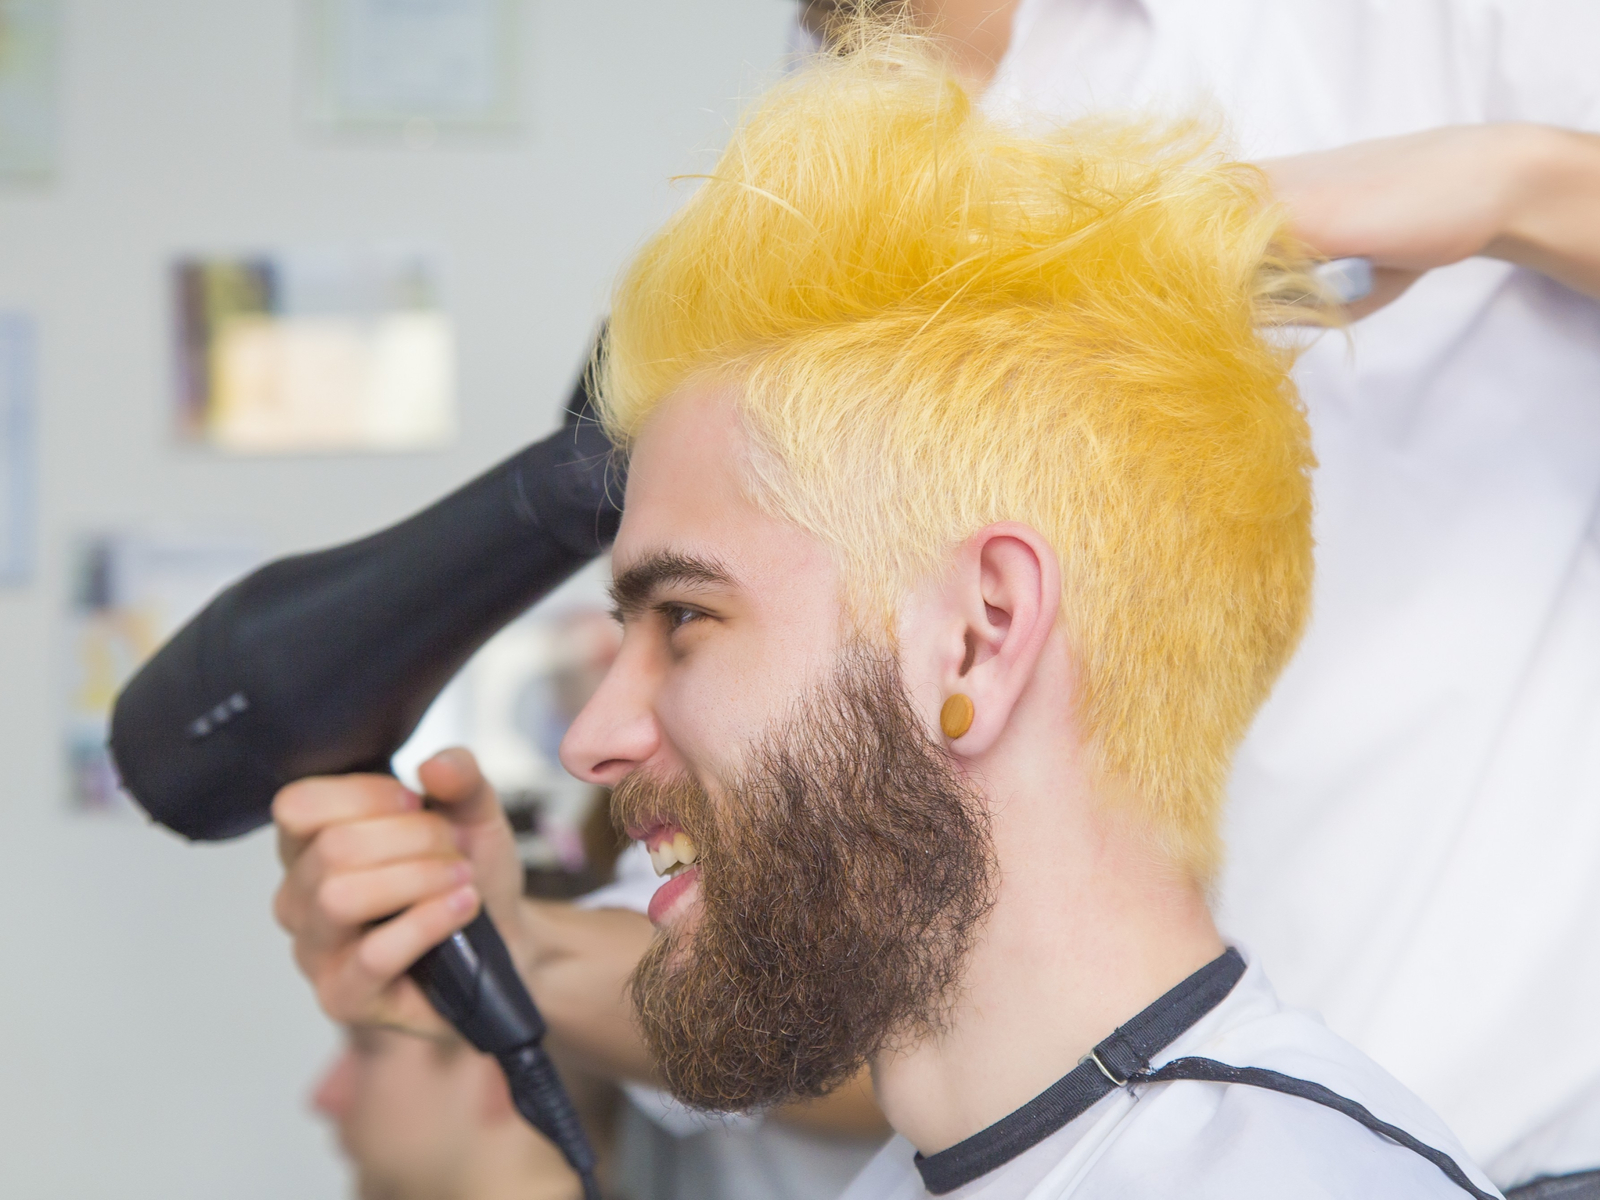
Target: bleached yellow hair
x,y
933,321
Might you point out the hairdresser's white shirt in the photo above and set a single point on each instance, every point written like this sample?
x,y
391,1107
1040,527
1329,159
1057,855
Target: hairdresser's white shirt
x,y
1211,1141
1415,825
670,1152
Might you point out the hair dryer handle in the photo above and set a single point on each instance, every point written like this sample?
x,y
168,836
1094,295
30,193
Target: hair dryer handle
x,y
470,979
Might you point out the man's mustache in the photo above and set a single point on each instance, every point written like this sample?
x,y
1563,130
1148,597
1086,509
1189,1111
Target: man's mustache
x,y
644,800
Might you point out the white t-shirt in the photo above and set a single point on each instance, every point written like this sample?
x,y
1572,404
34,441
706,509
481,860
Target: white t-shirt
x,y
671,1152
1212,1141
1415,819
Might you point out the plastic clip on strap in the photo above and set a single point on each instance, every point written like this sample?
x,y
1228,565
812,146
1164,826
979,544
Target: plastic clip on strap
x,y
1123,1060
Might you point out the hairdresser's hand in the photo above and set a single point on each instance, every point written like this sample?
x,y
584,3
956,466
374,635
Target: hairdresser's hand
x,y
1524,193
359,848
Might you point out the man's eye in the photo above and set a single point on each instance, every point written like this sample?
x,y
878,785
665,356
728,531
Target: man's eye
x,y
677,616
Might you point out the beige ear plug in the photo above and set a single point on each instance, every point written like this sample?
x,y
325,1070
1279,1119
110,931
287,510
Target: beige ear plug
x,y
955,718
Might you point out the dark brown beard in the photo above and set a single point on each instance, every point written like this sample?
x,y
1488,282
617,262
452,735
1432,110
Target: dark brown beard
x,y
842,882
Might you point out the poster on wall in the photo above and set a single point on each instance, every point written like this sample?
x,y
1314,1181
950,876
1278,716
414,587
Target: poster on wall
x,y
417,67
30,69
131,592
18,450
314,351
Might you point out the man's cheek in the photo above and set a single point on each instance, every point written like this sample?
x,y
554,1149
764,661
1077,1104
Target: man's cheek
x,y
697,720
709,739
725,693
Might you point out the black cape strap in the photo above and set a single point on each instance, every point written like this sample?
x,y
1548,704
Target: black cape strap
x,y
1210,1071
1124,1059
1108,1066
1580,1185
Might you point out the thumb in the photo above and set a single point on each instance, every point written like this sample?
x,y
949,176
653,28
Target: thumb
x,y
458,791
456,785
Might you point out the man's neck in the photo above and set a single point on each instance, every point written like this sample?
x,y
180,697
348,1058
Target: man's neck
x,y
1088,928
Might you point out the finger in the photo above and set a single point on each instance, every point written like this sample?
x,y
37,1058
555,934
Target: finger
x,y
401,1005
288,908
355,847
359,845
306,807
352,983
390,949
359,897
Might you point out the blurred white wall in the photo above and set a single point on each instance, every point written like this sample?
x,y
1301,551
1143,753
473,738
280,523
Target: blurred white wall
x,y
155,1040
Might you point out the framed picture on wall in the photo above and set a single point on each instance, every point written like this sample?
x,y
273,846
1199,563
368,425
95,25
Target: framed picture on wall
x,y
416,67
30,69
328,350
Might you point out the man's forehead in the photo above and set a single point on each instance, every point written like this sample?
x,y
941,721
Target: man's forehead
x,y
688,503
699,425
686,492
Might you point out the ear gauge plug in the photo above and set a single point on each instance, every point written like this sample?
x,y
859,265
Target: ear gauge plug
x,y
955,718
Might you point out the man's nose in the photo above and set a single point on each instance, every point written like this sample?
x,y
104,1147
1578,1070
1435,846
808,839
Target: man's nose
x,y
332,1095
617,729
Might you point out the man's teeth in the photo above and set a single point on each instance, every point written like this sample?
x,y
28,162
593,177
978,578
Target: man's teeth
x,y
669,857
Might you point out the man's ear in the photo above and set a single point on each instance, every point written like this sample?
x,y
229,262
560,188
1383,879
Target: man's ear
x,y
1003,592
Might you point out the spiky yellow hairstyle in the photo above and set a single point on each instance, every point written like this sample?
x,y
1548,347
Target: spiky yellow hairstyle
x,y
934,321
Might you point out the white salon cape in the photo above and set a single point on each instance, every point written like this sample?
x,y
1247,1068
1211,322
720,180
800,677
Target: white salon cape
x,y
670,1152
1414,838
1212,1141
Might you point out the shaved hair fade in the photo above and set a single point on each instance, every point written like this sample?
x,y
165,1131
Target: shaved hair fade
x,y
931,320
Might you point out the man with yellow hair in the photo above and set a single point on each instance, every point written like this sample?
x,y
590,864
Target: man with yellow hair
x,y
938,427
966,526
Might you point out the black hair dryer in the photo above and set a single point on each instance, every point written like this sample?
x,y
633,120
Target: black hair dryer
x,y
324,663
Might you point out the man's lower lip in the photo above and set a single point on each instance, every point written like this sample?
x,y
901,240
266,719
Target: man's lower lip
x,y
669,893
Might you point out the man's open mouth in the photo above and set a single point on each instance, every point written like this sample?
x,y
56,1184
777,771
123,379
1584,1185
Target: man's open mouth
x,y
673,854
671,849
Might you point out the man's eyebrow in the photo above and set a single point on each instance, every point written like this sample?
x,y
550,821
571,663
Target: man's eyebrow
x,y
632,590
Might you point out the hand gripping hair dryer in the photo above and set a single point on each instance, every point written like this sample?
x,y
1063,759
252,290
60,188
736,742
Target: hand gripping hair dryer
x,y
324,663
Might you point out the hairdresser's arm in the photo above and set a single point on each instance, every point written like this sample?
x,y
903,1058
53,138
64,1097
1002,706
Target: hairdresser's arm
x,y
1529,194
577,962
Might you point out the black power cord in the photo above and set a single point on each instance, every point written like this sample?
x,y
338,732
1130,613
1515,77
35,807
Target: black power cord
x,y
537,1092
470,979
